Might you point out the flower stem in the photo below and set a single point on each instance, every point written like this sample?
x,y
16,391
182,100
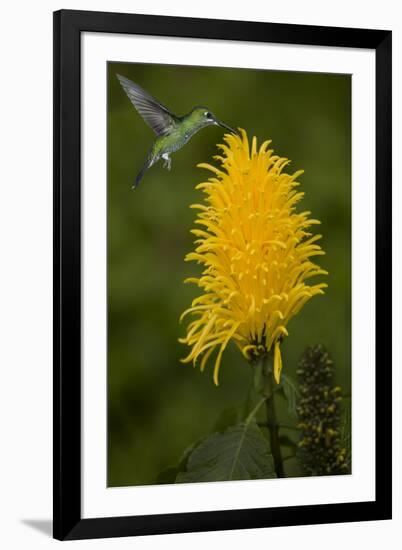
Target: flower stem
x,y
272,423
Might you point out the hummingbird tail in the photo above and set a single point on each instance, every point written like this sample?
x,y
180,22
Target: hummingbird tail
x,y
140,175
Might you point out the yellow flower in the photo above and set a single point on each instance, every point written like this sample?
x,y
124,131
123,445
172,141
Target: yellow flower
x,y
256,251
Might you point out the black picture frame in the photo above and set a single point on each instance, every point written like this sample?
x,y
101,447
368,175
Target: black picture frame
x,y
68,27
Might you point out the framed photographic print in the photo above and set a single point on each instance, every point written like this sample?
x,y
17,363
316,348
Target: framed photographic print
x,y
222,270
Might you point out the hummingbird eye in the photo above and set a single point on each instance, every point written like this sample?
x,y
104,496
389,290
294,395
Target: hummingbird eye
x,y
209,115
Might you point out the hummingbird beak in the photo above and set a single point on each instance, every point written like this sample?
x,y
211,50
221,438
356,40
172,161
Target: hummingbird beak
x,y
222,125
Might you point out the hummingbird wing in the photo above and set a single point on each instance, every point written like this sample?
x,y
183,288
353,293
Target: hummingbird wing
x,y
156,115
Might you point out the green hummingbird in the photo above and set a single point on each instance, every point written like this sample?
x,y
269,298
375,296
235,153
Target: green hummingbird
x,y
172,132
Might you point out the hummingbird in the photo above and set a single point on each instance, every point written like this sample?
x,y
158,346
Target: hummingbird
x,y
172,131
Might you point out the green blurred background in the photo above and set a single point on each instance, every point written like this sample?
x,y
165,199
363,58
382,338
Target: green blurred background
x,y
158,406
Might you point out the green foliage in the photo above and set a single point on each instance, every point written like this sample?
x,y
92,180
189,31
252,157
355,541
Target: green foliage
x,y
320,448
240,449
291,393
240,452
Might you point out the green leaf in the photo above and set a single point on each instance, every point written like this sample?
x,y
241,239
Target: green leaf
x,y
291,393
241,452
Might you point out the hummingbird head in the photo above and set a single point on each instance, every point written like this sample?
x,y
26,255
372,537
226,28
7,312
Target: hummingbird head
x,y
204,117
